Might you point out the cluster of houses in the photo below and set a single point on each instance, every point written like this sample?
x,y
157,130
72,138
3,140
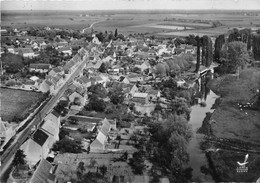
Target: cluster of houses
x,y
39,144
54,77
30,48
129,69
37,148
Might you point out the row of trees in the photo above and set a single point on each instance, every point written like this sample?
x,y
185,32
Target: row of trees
x,y
205,54
108,36
174,66
246,36
51,34
204,51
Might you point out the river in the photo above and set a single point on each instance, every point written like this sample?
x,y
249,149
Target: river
x,y
198,113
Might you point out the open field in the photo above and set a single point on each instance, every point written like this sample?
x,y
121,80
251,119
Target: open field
x,y
16,102
163,23
230,121
235,130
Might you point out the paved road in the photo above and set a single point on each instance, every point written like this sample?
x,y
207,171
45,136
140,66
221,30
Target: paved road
x,y
8,154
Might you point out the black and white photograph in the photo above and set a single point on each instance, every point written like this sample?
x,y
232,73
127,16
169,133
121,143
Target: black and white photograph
x,y
130,91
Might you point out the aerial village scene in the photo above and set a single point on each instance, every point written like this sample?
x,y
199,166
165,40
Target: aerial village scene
x,y
113,96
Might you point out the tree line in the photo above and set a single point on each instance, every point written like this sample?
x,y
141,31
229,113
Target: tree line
x,y
207,51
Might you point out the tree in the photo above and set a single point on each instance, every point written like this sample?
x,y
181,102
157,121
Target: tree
x,y
120,36
117,96
256,46
160,70
234,55
220,41
180,106
198,53
93,177
67,145
116,33
103,170
103,68
234,35
95,104
207,54
137,162
19,158
98,90
80,170
169,140
12,63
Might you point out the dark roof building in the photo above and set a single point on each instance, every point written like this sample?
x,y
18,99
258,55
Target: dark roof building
x,y
40,137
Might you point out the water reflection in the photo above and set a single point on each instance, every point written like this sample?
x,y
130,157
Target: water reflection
x,y
202,95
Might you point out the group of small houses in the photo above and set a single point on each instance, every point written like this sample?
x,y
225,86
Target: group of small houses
x,y
54,76
38,147
30,48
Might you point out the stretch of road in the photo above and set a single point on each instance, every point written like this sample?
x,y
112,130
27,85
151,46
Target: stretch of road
x,y
83,30
8,155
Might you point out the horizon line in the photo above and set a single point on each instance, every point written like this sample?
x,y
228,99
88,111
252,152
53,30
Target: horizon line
x,y
133,9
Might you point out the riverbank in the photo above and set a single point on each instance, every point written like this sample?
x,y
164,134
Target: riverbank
x,y
229,121
232,131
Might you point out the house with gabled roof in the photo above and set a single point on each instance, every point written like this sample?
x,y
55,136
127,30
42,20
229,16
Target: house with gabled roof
x,y
142,98
99,144
133,77
128,89
84,81
109,59
27,52
154,94
143,66
69,67
44,173
46,86
56,70
124,79
36,147
52,128
100,79
65,50
53,116
77,96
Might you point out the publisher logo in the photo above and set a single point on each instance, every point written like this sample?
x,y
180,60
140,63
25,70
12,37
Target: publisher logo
x,y
242,166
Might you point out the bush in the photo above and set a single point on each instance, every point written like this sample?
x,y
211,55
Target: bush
x,y
10,83
67,145
95,104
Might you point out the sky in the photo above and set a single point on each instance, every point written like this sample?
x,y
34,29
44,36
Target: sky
x,y
128,4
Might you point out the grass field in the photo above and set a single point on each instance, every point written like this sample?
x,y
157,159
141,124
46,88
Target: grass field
x,y
240,126
231,122
16,102
128,22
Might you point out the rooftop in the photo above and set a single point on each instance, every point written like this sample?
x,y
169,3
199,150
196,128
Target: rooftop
x,y
40,137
